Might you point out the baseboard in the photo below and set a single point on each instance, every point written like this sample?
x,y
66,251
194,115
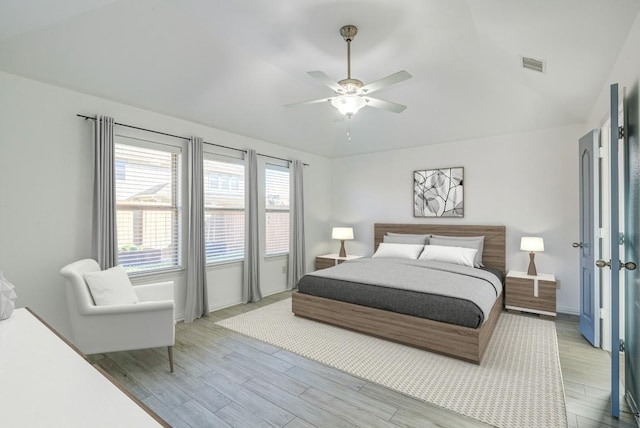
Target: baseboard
x,y
228,304
568,311
224,305
274,292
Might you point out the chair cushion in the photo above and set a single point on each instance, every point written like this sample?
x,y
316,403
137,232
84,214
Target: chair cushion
x,y
111,287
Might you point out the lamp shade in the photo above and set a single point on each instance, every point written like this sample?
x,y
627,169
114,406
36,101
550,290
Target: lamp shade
x,y
531,243
348,104
342,233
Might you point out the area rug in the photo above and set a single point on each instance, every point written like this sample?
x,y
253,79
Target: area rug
x,y
518,384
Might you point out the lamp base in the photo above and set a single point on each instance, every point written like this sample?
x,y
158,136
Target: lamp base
x,y
532,265
343,252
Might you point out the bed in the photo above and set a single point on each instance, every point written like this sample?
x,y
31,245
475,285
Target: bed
x,y
459,341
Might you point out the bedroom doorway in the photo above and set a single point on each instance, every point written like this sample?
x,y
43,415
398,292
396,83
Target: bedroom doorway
x,y
589,236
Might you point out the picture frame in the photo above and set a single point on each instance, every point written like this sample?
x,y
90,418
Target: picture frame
x,y
438,192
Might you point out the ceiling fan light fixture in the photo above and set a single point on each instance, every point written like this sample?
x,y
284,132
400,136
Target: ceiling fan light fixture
x,y
350,94
350,86
348,105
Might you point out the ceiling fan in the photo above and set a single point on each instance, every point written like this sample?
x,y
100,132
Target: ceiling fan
x,y
351,94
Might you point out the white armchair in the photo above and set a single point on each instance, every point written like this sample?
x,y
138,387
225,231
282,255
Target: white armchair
x,y
96,329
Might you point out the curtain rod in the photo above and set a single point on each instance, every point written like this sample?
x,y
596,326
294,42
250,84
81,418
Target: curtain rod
x,y
185,138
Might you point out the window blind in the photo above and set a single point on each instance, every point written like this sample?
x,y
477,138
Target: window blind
x,y
147,208
223,210
277,210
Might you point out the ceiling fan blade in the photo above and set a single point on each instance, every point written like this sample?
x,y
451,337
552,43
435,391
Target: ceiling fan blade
x,y
385,105
321,100
328,81
391,79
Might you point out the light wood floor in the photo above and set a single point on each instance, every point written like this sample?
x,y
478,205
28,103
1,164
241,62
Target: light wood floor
x,y
586,376
225,379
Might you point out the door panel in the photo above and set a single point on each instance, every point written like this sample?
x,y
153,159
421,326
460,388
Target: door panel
x,y
589,292
632,245
615,257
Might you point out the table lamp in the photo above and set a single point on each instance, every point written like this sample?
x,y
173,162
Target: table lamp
x,y
531,244
342,233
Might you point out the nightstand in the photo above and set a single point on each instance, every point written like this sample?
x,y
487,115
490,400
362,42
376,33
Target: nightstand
x,y
329,260
533,294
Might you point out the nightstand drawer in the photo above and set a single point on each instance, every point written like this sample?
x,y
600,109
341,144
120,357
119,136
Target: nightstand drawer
x,y
323,263
520,293
534,294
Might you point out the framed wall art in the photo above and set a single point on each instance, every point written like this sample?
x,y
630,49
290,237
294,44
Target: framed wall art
x,y
438,192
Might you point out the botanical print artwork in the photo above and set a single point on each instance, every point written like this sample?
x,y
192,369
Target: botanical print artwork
x,y
438,193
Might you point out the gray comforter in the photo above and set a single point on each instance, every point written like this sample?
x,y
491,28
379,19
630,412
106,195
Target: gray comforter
x,y
443,281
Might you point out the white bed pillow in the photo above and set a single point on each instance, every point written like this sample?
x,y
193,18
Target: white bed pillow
x,y
476,242
111,287
454,255
405,238
401,251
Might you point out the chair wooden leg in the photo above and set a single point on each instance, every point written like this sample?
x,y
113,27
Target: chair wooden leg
x,y
170,348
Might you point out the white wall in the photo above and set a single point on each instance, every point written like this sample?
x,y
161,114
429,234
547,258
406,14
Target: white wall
x,y
527,182
625,72
46,190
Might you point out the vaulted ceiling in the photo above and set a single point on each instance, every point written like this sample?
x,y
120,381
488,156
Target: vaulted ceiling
x,y
233,65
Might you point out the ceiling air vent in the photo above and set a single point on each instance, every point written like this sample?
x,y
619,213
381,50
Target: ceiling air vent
x,y
533,64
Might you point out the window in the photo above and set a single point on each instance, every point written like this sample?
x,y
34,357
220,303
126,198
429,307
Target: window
x,y
120,170
147,207
223,211
277,210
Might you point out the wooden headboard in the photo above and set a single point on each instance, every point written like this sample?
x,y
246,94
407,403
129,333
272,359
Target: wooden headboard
x,y
494,253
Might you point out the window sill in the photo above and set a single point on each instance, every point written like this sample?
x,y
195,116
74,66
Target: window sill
x,y
276,256
159,274
224,263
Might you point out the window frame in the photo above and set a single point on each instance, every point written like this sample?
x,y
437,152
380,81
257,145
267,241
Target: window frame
x,y
176,206
267,210
235,161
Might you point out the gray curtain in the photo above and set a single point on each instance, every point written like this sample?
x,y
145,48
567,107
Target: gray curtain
x,y
251,273
297,263
104,246
196,304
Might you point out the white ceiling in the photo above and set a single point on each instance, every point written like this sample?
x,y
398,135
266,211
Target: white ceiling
x,y
234,65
